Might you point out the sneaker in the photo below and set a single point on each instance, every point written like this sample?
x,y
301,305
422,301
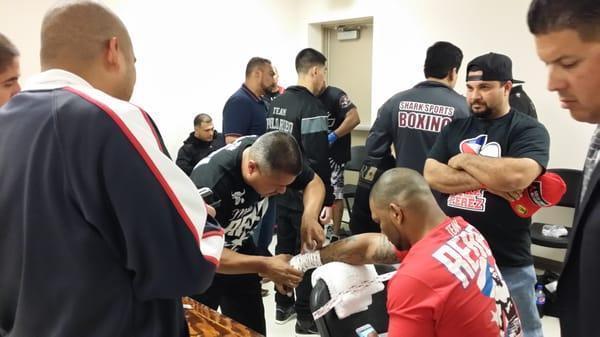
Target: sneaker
x,y
306,328
330,235
284,314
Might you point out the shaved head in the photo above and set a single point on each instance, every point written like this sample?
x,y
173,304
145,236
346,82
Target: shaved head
x,y
77,31
404,207
404,187
77,36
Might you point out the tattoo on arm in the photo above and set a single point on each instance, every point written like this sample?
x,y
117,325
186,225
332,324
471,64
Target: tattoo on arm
x,y
361,250
342,251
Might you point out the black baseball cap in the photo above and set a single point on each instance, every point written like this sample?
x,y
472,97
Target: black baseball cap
x,y
495,67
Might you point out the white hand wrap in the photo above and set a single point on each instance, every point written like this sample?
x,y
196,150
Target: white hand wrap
x,y
304,262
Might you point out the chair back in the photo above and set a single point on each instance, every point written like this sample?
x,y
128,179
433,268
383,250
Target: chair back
x,y
357,156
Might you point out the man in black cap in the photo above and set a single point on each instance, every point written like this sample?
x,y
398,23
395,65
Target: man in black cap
x,y
481,163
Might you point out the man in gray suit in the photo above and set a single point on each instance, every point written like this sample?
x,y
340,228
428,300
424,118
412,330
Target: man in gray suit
x,y
567,38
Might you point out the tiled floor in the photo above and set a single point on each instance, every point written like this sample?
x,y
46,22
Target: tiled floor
x,y
273,329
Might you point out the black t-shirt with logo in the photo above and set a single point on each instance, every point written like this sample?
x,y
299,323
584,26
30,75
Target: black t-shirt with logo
x,y
241,207
300,113
337,104
513,135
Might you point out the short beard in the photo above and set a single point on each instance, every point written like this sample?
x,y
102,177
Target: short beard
x,y
485,114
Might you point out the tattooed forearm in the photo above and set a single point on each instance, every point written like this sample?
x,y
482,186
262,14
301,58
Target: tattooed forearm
x,y
346,250
361,249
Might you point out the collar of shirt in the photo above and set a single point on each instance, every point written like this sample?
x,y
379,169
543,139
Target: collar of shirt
x,y
301,89
54,78
431,84
250,93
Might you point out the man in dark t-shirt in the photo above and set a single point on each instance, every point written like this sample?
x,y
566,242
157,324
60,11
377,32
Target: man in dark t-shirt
x,y
342,118
410,121
480,163
242,176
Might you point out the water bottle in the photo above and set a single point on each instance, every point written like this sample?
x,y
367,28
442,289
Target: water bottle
x,y
540,299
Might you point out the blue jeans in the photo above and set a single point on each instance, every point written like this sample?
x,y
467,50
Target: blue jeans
x,y
521,284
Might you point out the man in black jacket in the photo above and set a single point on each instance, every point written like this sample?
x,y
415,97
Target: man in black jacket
x,y
299,112
410,122
202,142
567,37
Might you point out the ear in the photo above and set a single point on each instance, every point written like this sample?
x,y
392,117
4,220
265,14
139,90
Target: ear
x,y
256,72
507,87
314,70
396,213
111,55
452,74
252,167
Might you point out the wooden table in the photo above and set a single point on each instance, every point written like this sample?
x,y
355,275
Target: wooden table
x,y
205,322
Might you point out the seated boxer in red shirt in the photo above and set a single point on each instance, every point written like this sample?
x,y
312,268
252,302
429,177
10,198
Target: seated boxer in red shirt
x,y
448,283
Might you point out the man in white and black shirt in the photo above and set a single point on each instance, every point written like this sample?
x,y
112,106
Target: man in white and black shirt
x,y
342,118
242,176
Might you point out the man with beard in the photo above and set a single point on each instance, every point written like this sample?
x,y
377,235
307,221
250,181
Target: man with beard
x,y
245,112
481,163
437,290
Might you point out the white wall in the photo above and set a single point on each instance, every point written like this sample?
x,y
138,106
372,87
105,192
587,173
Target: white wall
x,y
192,54
404,29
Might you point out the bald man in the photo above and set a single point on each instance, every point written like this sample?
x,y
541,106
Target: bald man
x,y
101,233
448,282
10,70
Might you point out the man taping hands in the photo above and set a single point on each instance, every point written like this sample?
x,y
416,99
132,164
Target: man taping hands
x,y
243,176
